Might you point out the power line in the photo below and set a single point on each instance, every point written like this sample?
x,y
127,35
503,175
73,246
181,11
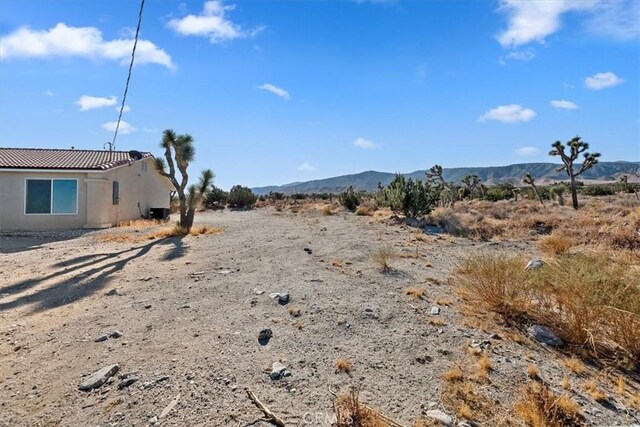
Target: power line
x,y
126,86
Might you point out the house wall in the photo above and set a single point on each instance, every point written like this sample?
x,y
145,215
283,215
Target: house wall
x,y
12,203
138,184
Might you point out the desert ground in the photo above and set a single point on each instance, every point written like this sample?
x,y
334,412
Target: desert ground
x,y
190,309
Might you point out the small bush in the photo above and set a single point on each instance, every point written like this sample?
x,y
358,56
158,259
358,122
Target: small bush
x,y
382,257
540,407
556,244
241,197
591,301
343,365
215,198
349,199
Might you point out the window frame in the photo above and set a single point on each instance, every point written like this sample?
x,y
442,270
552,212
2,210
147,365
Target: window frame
x,y
51,192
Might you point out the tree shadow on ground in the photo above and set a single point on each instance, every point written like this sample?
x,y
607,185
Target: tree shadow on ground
x,y
21,241
89,274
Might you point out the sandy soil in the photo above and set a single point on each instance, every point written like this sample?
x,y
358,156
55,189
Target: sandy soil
x,y
191,308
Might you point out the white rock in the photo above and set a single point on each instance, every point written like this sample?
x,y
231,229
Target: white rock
x,y
534,264
98,378
440,416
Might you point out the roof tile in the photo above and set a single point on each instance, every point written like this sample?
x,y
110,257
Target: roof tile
x,y
44,158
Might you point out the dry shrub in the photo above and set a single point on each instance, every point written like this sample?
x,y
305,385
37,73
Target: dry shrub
x,y
454,374
343,365
326,211
294,311
495,282
591,301
163,233
592,389
365,210
556,244
540,407
350,412
382,256
416,293
460,397
565,383
620,386
575,365
139,223
484,364
532,371
298,324
447,219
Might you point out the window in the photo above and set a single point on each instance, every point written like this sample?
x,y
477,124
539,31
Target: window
x,y
51,196
116,192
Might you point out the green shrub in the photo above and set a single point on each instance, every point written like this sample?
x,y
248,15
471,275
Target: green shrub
x,y
412,198
349,199
241,197
499,192
215,198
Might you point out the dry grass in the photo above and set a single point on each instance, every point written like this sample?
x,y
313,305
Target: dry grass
x,y
592,389
139,223
382,256
556,244
540,407
461,398
532,371
137,237
327,211
620,386
365,210
484,364
454,374
592,301
575,365
294,311
343,365
350,412
298,324
416,293
608,222
565,383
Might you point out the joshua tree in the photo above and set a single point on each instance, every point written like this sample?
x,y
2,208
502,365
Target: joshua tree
x,y
530,180
624,180
435,174
471,182
178,152
575,147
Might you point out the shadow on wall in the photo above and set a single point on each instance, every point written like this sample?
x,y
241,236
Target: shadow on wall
x,y
79,277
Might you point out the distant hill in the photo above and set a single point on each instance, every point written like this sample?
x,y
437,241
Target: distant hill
x,y
543,172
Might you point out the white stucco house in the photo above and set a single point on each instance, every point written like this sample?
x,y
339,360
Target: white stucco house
x,y
46,189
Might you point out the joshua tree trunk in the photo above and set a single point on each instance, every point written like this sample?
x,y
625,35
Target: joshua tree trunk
x,y
574,191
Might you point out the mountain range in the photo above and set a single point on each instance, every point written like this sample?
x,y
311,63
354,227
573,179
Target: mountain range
x,y
544,173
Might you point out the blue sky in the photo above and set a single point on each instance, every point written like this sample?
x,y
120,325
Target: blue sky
x,y
282,91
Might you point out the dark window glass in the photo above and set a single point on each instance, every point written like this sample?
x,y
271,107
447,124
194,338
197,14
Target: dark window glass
x,y
38,196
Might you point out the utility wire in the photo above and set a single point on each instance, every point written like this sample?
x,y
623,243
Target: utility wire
x,y
126,86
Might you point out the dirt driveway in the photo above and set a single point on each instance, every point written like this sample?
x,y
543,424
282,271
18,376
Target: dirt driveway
x,y
190,310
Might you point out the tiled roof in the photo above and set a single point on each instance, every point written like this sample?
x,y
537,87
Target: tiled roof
x,y
44,158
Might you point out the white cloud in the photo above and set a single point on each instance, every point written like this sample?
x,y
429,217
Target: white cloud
x,y
274,90
564,105
511,113
618,19
85,42
602,80
47,93
533,20
527,151
518,55
125,127
86,102
306,167
211,23
363,143
126,109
